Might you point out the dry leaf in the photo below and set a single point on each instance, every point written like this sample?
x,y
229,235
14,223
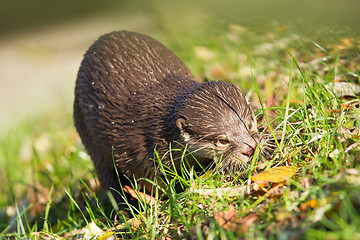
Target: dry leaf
x,y
250,219
230,220
344,89
224,219
276,175
149,199
91,230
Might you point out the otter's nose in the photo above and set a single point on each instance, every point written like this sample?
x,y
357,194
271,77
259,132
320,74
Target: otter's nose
x,y
248,150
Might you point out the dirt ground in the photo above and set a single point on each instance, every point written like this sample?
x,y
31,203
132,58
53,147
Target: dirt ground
x,y
38,67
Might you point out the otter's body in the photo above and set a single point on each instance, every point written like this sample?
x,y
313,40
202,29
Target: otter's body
x,y
133,94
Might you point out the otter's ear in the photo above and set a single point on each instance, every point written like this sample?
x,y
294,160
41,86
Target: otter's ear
x,y
184,129
181,124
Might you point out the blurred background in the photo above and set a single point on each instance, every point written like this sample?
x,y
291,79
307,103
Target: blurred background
x,y
42,42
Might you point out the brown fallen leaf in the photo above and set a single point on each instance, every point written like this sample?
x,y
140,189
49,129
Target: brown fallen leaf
x,y
276,175
225,218
344,89
230,220
91,230
129,190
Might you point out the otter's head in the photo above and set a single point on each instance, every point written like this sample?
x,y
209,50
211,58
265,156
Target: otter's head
x,y
215,121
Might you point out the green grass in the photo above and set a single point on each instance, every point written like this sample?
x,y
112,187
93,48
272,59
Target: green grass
x,y
50,187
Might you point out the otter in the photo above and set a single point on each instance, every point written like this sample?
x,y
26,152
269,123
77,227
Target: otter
x,y
134,95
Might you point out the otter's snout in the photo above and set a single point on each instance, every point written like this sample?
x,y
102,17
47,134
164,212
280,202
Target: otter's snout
x,y
248,149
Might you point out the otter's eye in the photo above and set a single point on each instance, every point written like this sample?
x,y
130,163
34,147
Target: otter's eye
x,y
221,142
